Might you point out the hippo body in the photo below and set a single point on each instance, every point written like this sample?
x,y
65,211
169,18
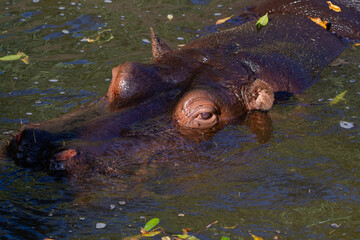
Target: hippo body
x,y
190,93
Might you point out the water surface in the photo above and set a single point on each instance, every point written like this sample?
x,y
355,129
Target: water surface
x,y
302,184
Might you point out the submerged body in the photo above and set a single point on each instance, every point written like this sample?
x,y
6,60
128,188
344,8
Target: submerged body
x,y
185,95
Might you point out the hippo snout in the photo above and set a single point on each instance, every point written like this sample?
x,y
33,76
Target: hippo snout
x,y
36,148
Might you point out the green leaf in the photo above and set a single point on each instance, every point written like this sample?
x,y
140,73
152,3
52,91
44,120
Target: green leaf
x,y
262,21
151,224
10,58
225,238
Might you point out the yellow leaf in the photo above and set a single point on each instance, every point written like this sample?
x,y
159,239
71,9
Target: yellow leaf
x,y
255,237
231,227
221,21
151,233
136,237
90,40
338,98
319,22
356,44
333,7
25,60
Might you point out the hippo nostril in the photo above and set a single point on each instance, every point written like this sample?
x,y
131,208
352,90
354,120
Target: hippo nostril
x,y
56,166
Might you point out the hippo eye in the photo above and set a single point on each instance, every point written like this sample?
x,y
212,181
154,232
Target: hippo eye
x,y
197,109
206,115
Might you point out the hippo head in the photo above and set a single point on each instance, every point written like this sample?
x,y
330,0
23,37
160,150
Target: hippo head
x,y
194,99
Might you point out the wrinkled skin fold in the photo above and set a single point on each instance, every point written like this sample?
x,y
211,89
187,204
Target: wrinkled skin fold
x,y
185,96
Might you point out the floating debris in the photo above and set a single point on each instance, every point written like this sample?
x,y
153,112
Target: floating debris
x,y
221,21
318,21
335,225
333,7
338,62
19,56
170,17
53,80
100,225
338,98
346,125
263,21
145,41
90,40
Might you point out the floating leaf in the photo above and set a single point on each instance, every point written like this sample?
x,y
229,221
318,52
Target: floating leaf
x,y
338,62
338,98
221,21
136,237
19,56
185,231
151,233
25,60
262,21
10,58
318,21
170,17
90,40
231,227
333,7
256,237
225,238
151,224
356,44
182,236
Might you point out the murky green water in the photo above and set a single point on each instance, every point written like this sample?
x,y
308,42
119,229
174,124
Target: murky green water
x,y
302,184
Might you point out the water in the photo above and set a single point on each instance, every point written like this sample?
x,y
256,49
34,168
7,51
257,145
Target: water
x,y
302,184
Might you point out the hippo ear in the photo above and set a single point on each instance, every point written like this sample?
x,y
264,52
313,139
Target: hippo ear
x,y
258,96
159,47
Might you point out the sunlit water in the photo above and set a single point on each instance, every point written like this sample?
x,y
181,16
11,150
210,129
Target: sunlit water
x,y
302,184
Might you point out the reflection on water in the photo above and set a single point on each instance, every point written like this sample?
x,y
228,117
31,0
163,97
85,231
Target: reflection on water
x,y
301,182
80,24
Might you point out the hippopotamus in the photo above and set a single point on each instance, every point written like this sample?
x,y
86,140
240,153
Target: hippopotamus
x,y
186,95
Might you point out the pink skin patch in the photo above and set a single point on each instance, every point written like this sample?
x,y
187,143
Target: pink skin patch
x,y
65,155
18,138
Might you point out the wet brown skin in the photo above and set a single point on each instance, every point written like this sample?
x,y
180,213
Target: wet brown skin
x,y
186,95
